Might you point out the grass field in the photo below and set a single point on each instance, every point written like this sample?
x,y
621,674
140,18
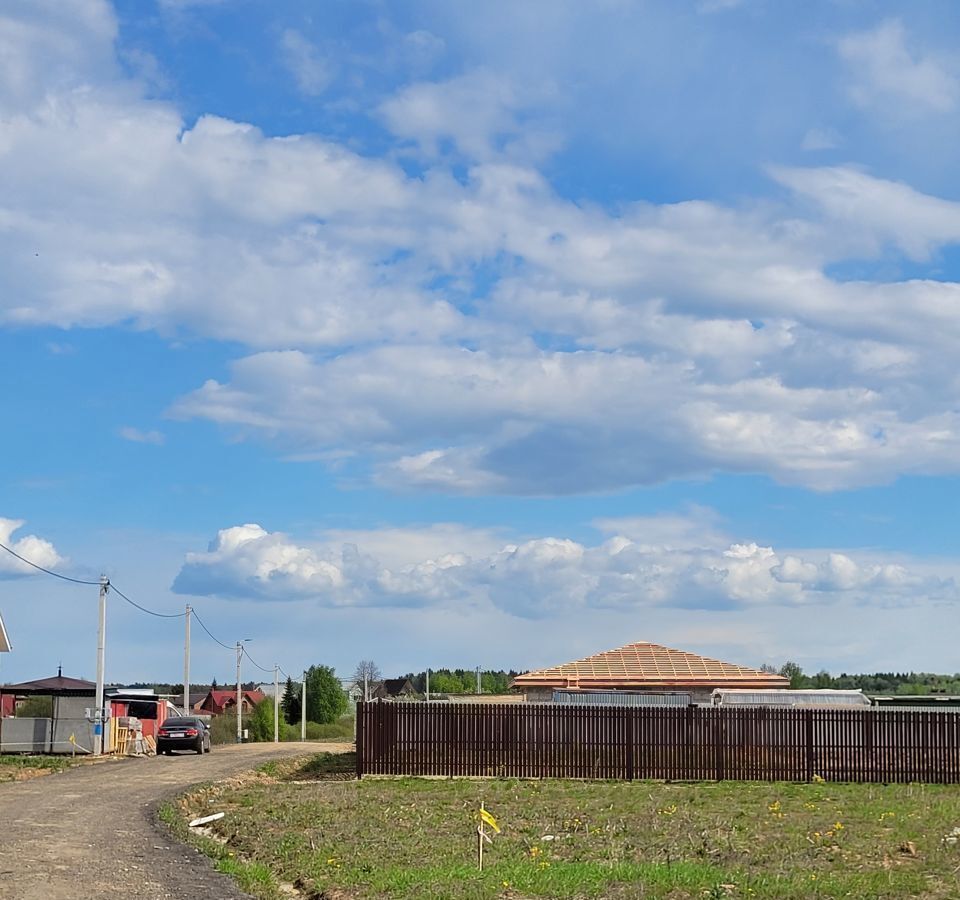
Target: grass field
x,y
16,768
413,838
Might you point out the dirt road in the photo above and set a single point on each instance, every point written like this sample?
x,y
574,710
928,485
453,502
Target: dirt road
x,y
90,833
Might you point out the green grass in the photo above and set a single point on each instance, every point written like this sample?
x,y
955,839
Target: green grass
x,y
412,838
254,878
12,766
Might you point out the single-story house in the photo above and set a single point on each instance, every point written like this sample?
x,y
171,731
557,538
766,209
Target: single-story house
x,y
217,702
392,689
644,667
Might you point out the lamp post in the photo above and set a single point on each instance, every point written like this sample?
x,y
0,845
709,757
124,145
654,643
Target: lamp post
x,y
239,692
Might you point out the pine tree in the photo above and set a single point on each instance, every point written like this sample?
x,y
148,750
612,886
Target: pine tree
x,y
290,703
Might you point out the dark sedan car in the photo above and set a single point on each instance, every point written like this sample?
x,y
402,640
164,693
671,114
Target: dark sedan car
x,y
183,733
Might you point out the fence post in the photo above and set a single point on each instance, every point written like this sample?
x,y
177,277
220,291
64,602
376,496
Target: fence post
x,y
808,739
360,718
630,716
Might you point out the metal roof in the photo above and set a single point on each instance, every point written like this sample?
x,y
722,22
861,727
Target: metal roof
x,y
59,686
645,665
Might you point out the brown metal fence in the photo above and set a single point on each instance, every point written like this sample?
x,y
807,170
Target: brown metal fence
x,y
547,741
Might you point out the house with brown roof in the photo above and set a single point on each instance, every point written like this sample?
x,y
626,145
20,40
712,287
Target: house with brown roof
x,y
644,667
393,689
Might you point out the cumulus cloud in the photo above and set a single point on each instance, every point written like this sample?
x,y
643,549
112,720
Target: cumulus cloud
x,y
888,74
546,576
29,546
564,422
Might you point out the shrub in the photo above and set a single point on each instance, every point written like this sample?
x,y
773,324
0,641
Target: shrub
x,y
223,729
260,721
341,730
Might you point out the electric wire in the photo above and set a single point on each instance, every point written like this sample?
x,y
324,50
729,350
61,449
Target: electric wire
x,y
48,571
248,656
150,612
210,633
133,603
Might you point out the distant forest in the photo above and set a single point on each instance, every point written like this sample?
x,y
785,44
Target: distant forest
x,y
462,681
497,681
177,688
877,683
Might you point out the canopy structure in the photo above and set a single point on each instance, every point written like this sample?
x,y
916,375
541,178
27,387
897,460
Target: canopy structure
x,y
58,686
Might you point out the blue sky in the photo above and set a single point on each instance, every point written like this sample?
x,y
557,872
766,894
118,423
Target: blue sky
x,y
494,335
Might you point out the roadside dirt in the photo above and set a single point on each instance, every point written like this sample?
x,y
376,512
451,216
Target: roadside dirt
x,y
90,832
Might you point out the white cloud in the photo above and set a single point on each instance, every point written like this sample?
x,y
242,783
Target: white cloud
x,y
606,348
138,436
54,46
915,222
545,576
479,112
31,547
538,422
312,72
889,77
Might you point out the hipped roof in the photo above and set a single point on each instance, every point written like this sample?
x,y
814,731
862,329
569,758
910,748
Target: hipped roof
x,y
648,666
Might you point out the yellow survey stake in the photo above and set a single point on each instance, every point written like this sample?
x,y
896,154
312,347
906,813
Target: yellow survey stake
x,y
489,819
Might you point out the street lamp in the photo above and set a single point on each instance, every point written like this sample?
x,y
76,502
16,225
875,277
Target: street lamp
x,y
239,693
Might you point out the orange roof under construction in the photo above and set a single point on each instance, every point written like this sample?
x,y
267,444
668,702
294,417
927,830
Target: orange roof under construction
x,y
644,666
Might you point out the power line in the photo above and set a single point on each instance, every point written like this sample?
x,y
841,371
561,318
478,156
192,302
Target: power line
x,y
248,656
285,675
116,590
150,612
210,634
48,571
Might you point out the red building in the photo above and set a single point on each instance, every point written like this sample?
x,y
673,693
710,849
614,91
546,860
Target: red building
x,y
218,702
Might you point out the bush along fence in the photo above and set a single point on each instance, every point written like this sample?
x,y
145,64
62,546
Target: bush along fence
x,y
706,744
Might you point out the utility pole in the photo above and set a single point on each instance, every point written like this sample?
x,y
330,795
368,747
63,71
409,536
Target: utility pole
x,y
101,641
239,694
479,689
366,688
428,686
276,704
303,707
186,664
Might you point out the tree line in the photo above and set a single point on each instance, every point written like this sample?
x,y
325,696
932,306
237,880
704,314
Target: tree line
x,y
462,681
875,683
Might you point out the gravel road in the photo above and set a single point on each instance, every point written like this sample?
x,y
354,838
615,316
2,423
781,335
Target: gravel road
x,y
90,832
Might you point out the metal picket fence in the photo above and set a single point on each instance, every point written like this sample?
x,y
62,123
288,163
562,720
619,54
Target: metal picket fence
x,y
687,744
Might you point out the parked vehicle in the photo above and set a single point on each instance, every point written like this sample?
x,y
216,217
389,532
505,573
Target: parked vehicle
x,y
183,733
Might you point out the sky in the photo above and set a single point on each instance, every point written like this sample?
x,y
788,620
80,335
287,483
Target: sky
x,y
448,334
